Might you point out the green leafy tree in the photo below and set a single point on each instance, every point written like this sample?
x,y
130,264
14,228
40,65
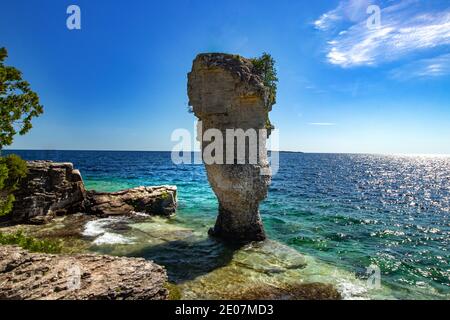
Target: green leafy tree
x,y
18,106
18,103
12,170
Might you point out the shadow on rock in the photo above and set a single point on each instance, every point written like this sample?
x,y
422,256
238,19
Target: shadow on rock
x,y
188,259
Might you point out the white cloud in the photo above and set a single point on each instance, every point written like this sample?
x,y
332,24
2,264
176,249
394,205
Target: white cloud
x,y
350,10
321,124
424,68
326,20
405,28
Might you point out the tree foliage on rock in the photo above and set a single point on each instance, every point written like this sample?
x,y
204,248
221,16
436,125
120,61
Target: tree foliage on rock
x,y
265,67
18,106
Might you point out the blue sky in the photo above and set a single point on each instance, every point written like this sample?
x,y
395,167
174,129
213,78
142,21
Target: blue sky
x,y
119,83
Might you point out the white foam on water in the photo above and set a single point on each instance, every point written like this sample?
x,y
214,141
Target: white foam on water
x,y
142,214
352,291
98,228
112,238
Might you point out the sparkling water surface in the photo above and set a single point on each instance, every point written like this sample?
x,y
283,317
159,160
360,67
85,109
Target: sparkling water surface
x,y
346,211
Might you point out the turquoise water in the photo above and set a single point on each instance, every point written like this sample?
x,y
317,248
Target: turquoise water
x,y
347,211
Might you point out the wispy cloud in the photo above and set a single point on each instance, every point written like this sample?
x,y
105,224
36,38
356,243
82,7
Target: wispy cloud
x,y
327,20
313,88
321,124
406,27
351,10
424,68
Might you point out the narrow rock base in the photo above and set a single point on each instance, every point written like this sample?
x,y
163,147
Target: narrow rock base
x,y
232,229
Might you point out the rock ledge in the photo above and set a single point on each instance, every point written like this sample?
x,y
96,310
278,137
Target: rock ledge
x,y
51,189
160,200
37,276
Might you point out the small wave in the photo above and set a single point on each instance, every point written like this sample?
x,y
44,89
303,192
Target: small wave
x,y
352,291
142,214
98,229
111,238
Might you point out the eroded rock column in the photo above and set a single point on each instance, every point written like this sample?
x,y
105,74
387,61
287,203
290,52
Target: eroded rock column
x,y
227,94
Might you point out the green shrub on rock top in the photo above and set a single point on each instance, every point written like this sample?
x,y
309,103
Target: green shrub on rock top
x,y
265,67
165,195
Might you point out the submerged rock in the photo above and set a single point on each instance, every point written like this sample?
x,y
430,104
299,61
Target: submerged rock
x,y
227,93
258,271
25,275
49,189
301,291
153,200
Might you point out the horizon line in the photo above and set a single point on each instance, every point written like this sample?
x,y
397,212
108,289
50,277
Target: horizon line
x,y
281,151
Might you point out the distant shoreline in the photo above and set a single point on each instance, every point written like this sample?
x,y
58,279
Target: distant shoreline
x,y
283,151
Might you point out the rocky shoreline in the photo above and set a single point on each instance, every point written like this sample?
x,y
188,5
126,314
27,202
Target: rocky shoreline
x,y
55,189
198,267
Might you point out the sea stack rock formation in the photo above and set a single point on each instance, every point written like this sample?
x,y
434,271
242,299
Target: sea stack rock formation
x,y
227,93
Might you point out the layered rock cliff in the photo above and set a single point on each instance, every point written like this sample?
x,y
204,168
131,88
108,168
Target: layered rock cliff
x,y
49,189
226,92
37,276
52,189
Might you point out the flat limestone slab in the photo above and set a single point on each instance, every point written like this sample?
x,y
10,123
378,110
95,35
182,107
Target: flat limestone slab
x,y
37,276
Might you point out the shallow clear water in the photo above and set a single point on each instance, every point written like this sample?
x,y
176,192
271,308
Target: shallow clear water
x,y
344,212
